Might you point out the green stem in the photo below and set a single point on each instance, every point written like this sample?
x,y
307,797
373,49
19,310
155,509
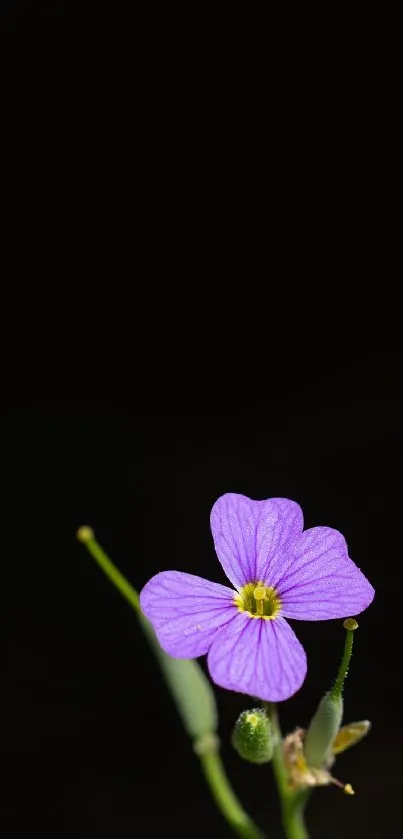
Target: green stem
x,y
225,798
86,536
350,625
292,803
209,757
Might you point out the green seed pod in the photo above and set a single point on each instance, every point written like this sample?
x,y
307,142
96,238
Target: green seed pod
x,y
326,723
190,688
322,730
252,737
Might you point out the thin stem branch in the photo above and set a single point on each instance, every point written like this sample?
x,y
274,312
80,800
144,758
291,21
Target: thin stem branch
x,y
86,536
350,625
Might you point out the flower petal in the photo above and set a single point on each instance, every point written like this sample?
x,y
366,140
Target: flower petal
x,y
186,611
262,658
317,580
249,535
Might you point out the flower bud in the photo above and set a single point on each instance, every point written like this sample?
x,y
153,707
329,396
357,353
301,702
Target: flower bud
x,y
252,737
323,730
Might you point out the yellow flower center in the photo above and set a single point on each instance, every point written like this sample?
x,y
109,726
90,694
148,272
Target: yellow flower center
x,y
258,600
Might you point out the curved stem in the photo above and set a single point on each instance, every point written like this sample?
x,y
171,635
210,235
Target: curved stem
x,y
225,798
292,803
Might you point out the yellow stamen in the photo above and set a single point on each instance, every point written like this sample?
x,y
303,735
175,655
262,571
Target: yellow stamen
x,y
347,788
259,595
258,600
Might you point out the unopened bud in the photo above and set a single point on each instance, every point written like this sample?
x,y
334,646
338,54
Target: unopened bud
x,y
252,736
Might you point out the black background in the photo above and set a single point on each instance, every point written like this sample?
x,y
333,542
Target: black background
x,y
91,744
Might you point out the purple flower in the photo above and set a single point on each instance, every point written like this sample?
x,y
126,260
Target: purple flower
x,y
278,572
